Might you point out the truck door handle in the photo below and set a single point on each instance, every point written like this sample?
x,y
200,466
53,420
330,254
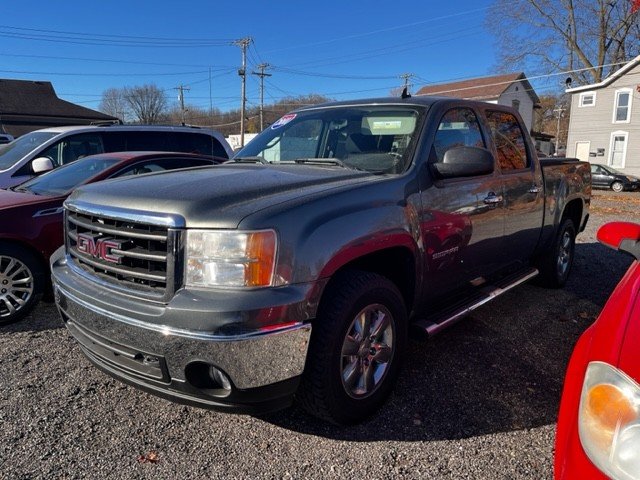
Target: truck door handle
x,y
492,199
534,189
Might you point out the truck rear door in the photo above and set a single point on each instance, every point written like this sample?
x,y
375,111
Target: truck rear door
x,y
523,189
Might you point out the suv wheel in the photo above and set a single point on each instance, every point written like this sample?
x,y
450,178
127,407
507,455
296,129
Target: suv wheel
x,y
21,282
357,343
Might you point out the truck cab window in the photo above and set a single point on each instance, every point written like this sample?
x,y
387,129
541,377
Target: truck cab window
x,y
459,127
509,140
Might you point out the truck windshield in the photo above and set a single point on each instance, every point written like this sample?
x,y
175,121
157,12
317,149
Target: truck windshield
x,y
378,139
64,179
14,151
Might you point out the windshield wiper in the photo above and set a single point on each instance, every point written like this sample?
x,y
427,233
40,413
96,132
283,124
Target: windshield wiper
x,y
325,161
18,188
256,159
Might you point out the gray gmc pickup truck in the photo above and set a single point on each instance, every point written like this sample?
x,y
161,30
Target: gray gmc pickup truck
x,y
298,269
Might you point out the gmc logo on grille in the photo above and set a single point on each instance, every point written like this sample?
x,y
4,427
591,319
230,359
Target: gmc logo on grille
x,y
99,247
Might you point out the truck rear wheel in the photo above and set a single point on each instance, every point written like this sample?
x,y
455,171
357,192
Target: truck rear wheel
x,y
556,264
21,282
357,344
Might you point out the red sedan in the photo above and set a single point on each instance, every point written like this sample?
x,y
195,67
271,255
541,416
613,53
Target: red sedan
x,y
31,226
598,433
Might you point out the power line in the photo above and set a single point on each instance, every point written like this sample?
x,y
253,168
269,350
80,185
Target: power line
x,y
374,32
102,74
104,39
129,62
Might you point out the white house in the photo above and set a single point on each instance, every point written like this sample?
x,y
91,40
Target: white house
x,y
604,126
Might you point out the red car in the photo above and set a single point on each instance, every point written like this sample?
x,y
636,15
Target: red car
x,y
598,433
31,226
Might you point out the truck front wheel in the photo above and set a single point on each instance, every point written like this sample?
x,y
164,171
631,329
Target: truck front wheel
x,y
357,343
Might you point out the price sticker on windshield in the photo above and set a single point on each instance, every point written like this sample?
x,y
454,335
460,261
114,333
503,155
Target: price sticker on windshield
x,y
283,120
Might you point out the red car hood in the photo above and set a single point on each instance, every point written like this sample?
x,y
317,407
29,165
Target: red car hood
x,y
9,198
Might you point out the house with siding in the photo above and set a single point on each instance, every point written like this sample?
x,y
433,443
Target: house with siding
x,y
604,126
511,89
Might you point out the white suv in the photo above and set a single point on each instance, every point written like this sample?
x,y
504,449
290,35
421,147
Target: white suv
x,y
43,150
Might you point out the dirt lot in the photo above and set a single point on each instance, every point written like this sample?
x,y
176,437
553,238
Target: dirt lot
x,y
478,401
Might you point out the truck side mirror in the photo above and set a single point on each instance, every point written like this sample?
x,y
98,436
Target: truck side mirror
x,y
41,164
464,162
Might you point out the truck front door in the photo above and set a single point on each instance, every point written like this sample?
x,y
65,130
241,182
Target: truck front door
x,y
462,218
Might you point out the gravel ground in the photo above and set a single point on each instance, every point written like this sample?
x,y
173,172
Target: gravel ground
x,y
478,401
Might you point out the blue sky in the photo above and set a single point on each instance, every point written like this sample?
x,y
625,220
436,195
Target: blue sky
x,y
366,45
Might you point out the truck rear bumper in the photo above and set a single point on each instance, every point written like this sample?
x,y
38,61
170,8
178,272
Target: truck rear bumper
x,y
246,373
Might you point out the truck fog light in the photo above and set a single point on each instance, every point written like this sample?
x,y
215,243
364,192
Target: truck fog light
x,y
220,378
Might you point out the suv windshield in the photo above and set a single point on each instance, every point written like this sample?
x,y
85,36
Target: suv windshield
x,y
14,151
64,179
376,139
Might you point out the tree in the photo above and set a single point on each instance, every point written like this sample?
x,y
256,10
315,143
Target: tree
x,y
113,103
147,102
546,120
559,35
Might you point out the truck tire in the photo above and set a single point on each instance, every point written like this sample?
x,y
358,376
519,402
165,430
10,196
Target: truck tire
x,y
356,349
617,186
556,264
21,282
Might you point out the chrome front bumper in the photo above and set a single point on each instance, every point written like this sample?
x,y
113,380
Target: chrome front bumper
x,y
139,343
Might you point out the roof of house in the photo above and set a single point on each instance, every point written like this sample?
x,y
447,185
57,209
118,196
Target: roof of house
x,y
484,88
610,79
36,98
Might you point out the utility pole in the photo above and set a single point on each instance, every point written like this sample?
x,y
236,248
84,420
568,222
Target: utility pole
x,y
406,77
559,111
261,74
243,43
181,89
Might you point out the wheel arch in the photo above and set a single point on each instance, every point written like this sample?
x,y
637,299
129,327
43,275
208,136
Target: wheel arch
x,y
397,264
573,210
37,254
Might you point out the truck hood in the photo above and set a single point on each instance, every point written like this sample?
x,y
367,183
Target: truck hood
x,y
216,197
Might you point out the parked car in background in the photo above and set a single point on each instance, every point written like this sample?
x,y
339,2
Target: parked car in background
x,y
31,226
598,434
5,138
603,176
43,150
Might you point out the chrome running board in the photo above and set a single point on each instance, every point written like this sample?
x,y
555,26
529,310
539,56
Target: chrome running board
x,y
434,324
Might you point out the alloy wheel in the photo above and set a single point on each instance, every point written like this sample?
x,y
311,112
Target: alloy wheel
x,y
16,285
367,351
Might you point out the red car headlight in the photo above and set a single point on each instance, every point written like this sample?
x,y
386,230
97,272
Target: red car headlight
x,y
609,421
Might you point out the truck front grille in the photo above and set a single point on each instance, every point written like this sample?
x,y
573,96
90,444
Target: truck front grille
x,y
129,255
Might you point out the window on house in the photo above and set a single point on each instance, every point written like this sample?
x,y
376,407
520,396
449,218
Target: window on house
x,y
622,110
588,99
618,149
515,104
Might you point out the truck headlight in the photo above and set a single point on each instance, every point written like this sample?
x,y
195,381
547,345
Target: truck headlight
x,y
609,421
217,258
